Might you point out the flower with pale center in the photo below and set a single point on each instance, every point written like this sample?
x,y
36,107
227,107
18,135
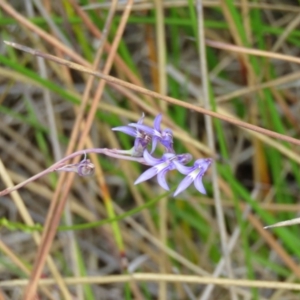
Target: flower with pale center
x,y
142,139
165,137
194,174
161,166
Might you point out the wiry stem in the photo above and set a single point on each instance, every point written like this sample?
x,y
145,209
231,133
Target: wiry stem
x,y
115,81
61,163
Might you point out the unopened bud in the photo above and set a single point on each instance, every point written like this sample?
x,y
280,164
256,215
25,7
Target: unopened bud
x,y
86,168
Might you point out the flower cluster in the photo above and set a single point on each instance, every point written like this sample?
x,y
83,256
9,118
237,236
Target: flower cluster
x,y
144,136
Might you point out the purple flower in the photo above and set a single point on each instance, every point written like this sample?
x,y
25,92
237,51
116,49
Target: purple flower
x,y
142,139
165,137
194,174
169,161
161,166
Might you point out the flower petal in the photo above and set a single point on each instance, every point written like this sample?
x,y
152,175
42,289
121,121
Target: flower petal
x,y
138,148
167,134
199,184
152,161
142,127
185,183
183,169
167,140
141,120
157,122
147,175
126,129
154,143
184,158
203,163
161,179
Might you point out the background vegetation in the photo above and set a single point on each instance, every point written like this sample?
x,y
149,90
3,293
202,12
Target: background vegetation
x,y
164,247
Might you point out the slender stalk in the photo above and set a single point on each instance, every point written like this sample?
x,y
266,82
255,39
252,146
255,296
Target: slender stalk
x,y
59,165
211,144
115,81
148,277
